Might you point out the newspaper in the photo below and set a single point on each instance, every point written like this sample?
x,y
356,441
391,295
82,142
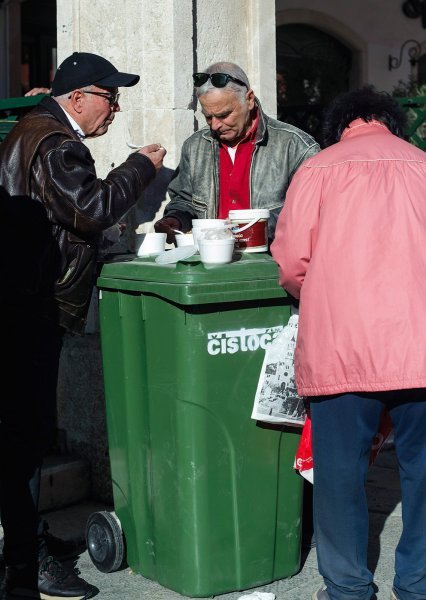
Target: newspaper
x,y
277,400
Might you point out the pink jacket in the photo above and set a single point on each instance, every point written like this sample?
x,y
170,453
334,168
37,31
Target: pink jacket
x,y
351,243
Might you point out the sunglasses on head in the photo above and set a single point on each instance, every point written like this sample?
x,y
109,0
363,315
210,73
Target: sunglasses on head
x,y
219,80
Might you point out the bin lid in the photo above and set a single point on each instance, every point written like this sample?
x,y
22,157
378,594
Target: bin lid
x,y
251,276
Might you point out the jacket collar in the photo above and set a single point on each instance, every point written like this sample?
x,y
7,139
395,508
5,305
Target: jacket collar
x,y
54,108
359,127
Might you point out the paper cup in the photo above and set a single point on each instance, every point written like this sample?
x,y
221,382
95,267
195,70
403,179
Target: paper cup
x,y
187,239
153,244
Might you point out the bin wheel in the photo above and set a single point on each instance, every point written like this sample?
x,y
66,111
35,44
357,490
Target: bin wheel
x,y
105,542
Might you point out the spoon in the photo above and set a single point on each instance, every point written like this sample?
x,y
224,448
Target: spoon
x,y
177,231
139,146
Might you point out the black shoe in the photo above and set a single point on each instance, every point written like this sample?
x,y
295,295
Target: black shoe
x,y
49,581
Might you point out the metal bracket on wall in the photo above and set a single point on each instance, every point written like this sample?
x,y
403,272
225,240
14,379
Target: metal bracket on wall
x,y
414,52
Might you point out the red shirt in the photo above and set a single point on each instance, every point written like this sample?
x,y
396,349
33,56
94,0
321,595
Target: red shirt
x,y
234,177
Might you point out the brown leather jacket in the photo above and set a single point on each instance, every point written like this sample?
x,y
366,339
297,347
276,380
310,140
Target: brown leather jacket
x,y
49,190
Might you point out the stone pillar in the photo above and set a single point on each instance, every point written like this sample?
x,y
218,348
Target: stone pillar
x,y
242,31
153,39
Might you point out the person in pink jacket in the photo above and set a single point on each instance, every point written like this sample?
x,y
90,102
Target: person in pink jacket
x,y
350,243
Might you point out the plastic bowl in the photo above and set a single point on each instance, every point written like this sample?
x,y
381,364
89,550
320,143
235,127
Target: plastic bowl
x,y
216,252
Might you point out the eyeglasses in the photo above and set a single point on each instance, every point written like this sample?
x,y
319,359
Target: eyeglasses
x,y
219,80
112,97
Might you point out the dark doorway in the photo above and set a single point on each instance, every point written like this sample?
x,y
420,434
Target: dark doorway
x,y
38,31
312,68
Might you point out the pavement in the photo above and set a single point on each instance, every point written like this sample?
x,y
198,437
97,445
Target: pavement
x,y
385,528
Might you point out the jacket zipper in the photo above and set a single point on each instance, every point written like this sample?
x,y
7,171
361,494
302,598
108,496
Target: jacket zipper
x,y
250,174
215,177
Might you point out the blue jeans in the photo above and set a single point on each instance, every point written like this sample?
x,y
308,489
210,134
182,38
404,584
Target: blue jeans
x,y
343,427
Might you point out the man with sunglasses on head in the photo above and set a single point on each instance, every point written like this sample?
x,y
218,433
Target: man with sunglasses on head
x,y
243,159
54,210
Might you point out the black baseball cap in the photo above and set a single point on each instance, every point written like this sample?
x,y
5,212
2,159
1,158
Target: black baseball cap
x,y
83,68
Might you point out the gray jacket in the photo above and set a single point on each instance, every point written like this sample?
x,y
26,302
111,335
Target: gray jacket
x,y
280,148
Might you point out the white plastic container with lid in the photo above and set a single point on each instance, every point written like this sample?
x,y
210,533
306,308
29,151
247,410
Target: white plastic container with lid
x,y
250,229
199,226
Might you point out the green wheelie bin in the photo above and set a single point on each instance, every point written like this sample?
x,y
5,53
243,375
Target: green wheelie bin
x,y
207,498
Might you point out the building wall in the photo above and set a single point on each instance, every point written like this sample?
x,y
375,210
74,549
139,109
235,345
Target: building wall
x,y
373,29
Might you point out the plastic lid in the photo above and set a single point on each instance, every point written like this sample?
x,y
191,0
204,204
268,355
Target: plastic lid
x,y
252,213
172,256
208,223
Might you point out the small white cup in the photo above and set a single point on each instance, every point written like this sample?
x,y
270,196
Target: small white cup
x,y
216,252
187,239
153,244
199,224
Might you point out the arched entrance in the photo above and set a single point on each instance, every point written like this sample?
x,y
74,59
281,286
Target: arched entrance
x,y
312,68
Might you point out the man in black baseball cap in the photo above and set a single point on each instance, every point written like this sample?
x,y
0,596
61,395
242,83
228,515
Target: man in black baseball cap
x,y
83,68
49,187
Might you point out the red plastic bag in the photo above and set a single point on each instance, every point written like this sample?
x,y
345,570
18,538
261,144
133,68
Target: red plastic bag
x,y
385,428
304,462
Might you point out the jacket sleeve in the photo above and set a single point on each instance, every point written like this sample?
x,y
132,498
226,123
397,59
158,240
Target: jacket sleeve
x,y
80,201
180,191
297,229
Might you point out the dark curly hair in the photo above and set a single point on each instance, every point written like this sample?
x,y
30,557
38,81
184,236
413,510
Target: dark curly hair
x,y
364,103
